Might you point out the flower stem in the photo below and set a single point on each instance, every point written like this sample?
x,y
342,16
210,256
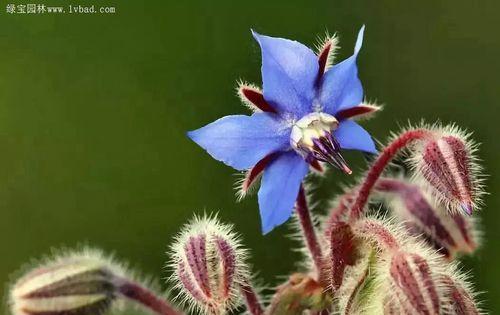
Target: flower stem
x,y
251,299
380,164
146,298
340,211
309,232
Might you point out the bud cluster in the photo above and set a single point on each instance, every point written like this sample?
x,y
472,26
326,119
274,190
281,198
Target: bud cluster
x,y
401,276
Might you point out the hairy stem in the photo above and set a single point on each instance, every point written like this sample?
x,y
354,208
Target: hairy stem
x,y
146,298
380,164
309,232
251,299
340,211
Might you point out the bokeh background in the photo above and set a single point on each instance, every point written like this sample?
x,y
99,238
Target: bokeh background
x,y
94,111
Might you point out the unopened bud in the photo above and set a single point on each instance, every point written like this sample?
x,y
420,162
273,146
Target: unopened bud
x,y
447,164
460,299
413,283
209,265
79,284
449,233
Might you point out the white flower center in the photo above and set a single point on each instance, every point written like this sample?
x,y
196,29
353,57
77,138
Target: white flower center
x,y
312,137
310,127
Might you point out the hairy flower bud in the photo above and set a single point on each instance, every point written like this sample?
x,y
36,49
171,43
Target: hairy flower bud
x,y
446,162
449,233
77,284
413,283
209,265
461,300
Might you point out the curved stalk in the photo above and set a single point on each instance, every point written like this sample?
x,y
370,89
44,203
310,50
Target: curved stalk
x,y
146,298
401,142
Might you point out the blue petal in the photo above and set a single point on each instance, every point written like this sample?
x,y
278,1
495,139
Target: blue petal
x,y
340,86
241,141
279,189
352,136
289,72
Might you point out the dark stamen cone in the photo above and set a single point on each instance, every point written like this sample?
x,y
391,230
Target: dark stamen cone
x,y
327,149
72,286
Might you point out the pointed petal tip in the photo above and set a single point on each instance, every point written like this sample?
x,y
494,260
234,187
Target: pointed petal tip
x,y
266,229
359,40
191,135
255,35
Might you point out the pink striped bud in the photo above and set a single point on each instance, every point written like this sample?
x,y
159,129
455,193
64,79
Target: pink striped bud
x,y
413,284
461,301
78,284
209,265
447,164
449,233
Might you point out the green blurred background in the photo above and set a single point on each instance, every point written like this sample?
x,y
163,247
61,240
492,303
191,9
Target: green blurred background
x,y
94,110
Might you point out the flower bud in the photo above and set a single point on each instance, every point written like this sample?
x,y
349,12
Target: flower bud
x,y
448,233
461,301
413,284
447,164
77,284
209,265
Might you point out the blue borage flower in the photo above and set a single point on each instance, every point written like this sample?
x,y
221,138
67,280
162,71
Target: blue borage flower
x,y
301,119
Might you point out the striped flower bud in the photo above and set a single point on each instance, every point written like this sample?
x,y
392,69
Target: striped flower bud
x,y
413,285
460,299
76,284
449,233
407,274
209,265
446,162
